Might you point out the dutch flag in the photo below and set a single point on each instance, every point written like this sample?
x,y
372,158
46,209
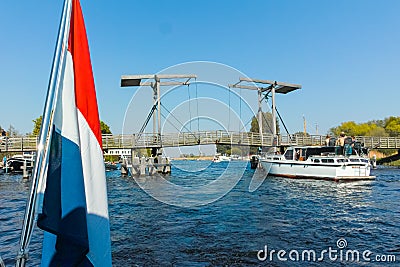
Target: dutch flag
x,y
74,213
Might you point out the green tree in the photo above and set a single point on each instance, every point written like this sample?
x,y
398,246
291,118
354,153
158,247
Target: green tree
x,y
266,122
377,131
387,127
348,127
301,134
392,126
362,129
105,129
224,149
37,123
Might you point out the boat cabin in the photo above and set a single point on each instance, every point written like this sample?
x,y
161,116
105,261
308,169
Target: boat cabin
x,y
303,153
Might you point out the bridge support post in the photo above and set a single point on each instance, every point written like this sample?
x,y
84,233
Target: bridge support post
x,y
152,168
25,173
135,166
124,167
142,168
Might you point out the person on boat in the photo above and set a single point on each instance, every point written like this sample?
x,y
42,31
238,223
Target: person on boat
x,y
340,143
348,146
353,140
299,155
3,135
353,144
327,139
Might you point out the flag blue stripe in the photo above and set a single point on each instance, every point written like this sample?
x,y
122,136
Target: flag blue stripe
x,y
50,217
64,204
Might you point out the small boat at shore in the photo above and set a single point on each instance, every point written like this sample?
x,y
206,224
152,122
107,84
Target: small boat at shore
x,y
17,163
317,163
218,158
111,166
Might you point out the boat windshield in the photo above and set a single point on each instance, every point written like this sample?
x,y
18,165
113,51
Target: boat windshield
x,y
289,154
318,151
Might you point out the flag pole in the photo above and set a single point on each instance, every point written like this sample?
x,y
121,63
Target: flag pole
x,y
45,133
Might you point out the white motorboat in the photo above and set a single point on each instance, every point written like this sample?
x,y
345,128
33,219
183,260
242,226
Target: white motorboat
x,y
219,158
317,163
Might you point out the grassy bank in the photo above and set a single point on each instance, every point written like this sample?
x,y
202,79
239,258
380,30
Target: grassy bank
x,y
379,155
393,163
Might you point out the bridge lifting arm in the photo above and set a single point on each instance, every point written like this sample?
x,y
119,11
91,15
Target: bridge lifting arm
x,y
136,80
272,87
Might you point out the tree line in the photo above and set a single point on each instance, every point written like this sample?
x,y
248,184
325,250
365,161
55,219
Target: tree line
x,y
387,127
37,123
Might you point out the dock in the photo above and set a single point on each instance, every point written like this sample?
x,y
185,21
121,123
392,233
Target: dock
x,y
139,166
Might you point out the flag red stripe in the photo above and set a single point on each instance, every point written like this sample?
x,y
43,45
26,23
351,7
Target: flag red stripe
x,y
85,93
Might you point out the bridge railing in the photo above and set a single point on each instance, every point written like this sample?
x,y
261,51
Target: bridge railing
x,y
18,143
380,142
202,137
147,140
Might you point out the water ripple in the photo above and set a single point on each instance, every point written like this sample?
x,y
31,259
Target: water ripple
x,y
282,214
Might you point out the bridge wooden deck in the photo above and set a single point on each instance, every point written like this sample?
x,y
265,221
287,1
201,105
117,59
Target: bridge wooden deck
x,y
27,144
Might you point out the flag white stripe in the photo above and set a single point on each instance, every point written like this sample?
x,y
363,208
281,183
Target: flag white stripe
x,y
96,195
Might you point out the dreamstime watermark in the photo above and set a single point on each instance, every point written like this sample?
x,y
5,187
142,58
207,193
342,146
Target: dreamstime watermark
x,y
190,110
339,253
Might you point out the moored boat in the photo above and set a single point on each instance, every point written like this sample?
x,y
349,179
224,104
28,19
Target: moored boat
x,y
111,166
317,163
218,158
17,162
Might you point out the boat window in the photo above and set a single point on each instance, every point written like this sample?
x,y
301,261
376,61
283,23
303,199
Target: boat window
x,y
319,151
324,160
289,154
316,160
331,160
354,160
276,158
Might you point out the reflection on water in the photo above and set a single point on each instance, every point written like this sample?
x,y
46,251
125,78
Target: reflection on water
x,y
281,213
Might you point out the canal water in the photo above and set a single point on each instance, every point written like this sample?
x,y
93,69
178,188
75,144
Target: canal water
x,y
225,214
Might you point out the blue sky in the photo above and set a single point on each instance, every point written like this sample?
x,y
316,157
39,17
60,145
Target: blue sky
x,y
345,54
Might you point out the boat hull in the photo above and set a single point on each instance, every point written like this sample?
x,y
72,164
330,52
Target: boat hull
x,y
307,170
